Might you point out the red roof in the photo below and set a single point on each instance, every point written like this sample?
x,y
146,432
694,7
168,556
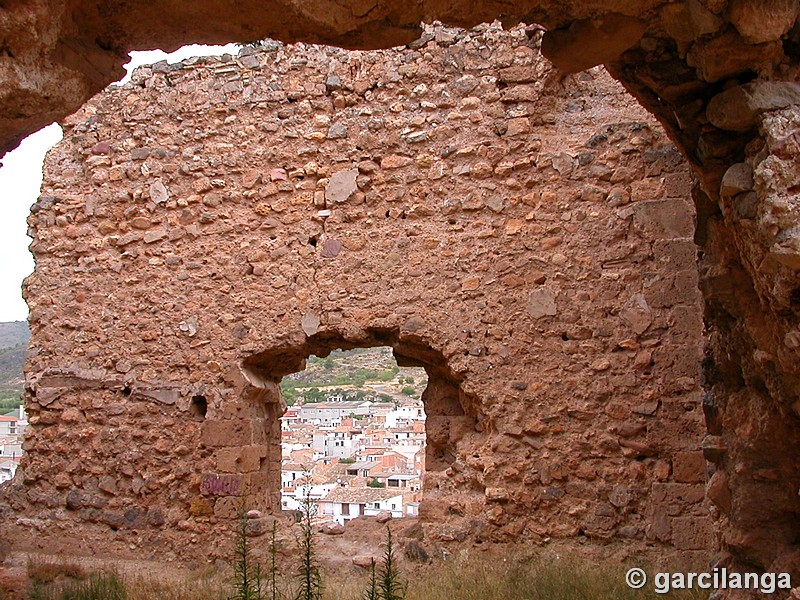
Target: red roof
x,y
7,418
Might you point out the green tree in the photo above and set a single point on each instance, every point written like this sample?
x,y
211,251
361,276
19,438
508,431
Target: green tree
x,y
374,483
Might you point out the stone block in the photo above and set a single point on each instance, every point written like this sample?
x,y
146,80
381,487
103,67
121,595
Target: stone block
x,y
227,460
541,303
678,185
737,179
221,485
676,498
252,458
664,219
719,492
677,253
227,508
689,467
591,42
760,21
692,533
341,185
738,108
229,432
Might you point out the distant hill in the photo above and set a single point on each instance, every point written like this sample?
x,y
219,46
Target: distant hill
x,y
15,333
14,338
354,374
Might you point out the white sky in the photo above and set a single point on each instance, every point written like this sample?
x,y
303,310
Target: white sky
x,y
21,180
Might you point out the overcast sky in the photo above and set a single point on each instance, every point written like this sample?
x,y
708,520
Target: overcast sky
x,y
21,179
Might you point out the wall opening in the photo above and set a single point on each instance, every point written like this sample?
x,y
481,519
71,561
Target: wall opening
x,y
198,407
363,420
353,435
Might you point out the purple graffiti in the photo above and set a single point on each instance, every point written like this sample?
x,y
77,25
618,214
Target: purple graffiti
x,y
221,485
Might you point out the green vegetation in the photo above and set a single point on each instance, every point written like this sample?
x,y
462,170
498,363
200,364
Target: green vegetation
x,y
70,581
309,575
13,345
315,394
9,401
374,483
371,592
14,333
99,586
349,376
11,361
485,576
246,572
409,391
345,372
14,338
389,585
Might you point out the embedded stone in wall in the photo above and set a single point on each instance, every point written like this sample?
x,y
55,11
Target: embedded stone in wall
x,y
341,186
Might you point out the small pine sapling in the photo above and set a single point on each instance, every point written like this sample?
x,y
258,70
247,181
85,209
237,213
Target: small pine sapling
x,y
372,592
309,577
247,575
390,587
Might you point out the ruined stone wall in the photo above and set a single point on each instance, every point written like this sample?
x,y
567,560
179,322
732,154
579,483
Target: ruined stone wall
x,y
525,237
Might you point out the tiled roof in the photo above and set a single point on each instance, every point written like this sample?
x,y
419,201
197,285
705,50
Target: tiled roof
x,y
362,464
294,467
360,495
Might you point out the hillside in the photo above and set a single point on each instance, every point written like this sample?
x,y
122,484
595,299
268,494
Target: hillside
x,y
14,333
14,338
354,374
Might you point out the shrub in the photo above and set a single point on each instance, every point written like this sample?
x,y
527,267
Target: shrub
x,y
99,586
47,571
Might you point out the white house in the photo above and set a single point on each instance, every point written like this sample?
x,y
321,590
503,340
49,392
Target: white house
x,y
404,415
330,414
346,504
7,469
9,425
338,443
315,493
291,472
10,446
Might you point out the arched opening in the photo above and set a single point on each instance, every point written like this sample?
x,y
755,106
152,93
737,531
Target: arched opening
x,y
562,371
449,418
353,435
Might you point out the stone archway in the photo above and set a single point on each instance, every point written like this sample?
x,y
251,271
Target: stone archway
x,y
207,213
453,426
691,63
